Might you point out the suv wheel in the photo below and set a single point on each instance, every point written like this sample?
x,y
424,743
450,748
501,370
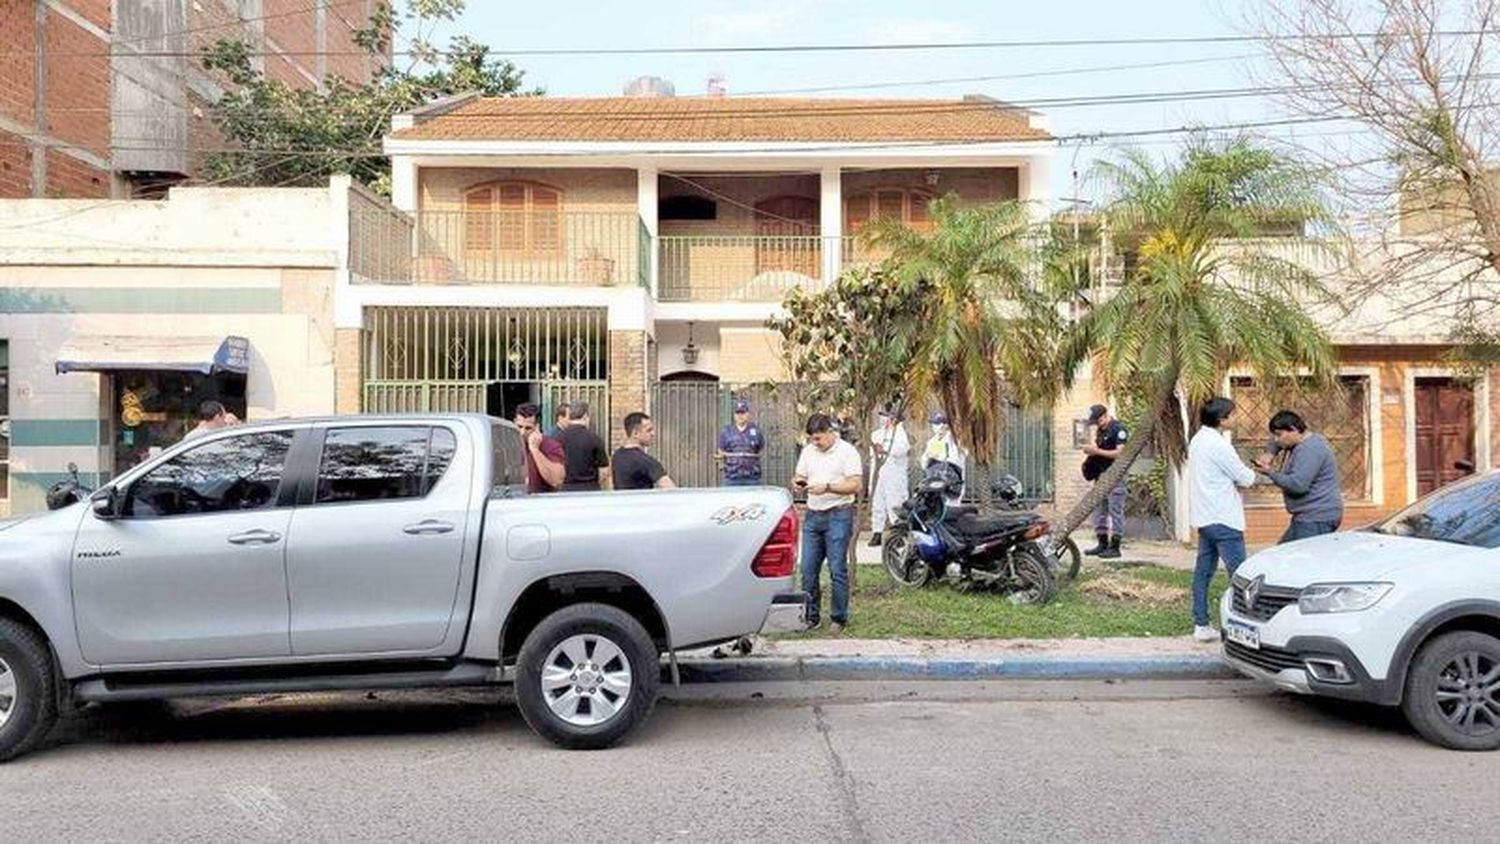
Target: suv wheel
x,y
1452,692
586,676
28,698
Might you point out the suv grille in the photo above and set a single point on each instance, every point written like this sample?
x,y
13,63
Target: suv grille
x,y
1269,659
1269,600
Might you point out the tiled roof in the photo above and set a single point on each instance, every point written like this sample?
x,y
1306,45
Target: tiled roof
x,y
709,119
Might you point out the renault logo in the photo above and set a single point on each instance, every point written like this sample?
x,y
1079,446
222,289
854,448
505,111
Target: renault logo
x,y
1252,590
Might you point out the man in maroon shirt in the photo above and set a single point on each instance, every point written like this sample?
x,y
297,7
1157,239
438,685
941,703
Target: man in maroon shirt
x,y
544,455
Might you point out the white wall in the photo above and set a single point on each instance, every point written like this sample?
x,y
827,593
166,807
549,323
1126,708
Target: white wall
x,y
671,337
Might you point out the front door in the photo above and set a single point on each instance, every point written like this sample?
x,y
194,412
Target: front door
x,y
194,568
375,556
1445,432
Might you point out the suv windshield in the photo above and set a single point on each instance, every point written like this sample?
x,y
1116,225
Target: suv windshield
x,y
1466,513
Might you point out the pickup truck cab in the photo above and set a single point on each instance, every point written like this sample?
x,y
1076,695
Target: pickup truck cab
x,y
378,552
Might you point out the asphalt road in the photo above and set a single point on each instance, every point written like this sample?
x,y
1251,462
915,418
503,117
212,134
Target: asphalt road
x,y
862,761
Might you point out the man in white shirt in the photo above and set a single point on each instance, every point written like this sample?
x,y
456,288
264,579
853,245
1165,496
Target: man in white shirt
x,y
891,487
830,472
1215,476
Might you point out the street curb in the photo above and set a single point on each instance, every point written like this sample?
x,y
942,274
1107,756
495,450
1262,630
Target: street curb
x,y
814,669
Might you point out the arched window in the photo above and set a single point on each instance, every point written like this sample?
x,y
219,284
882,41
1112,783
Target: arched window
x,y
514,217
904,204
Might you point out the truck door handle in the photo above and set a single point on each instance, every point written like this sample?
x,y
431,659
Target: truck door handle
x,y
255,537
428,527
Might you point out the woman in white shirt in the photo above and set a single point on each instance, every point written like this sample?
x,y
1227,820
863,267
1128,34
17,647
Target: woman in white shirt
x,y
1215,476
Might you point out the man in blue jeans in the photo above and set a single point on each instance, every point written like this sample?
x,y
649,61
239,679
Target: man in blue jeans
x,y
1215,476
829,471
1309,477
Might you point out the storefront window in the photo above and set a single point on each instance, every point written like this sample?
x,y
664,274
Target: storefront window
x,y
154,410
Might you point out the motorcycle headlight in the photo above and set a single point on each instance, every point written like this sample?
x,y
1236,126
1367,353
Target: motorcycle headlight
x,y
1341,597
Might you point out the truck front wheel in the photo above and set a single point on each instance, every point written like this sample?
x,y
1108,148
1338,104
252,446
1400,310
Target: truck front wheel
x,y
28,697
586,676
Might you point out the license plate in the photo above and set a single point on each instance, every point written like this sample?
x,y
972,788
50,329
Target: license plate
x,y
1241,633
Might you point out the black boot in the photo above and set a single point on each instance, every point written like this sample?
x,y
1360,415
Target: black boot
x,y
1113,551
875,539
1101,547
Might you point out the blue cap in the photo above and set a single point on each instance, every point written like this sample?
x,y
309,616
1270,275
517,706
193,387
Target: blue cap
x,y
741,405
937,417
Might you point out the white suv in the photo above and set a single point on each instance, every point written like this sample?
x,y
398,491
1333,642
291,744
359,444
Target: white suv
x,y
1404,613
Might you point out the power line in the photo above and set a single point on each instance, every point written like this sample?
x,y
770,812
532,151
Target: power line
x,y
1148,41
860,108
964,80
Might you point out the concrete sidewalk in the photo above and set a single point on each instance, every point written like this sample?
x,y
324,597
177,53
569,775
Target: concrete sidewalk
x,y
809,660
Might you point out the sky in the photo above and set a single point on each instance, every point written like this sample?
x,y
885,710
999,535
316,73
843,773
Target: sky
x,y
1035,73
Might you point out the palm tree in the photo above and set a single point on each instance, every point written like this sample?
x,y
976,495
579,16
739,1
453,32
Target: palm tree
x,y
991,329
1208,291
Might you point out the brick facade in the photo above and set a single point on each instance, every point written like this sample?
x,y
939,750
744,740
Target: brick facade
x,y
72,118
348,370
69,177
15,166
627,380
1394,367
78,85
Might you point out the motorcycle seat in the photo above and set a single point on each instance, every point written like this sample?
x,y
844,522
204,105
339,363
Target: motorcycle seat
x,y
973,525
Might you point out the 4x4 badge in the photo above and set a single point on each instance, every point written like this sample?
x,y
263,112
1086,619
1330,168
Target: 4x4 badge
x,y
731,513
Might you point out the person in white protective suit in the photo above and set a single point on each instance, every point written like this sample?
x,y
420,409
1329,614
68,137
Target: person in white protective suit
x,y
890,487
943,447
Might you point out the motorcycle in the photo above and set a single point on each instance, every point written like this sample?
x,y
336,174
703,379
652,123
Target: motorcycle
x,y
1008,493
931,538
68,491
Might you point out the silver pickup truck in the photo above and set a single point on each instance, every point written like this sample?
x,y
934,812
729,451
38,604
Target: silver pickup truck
x,y
374,552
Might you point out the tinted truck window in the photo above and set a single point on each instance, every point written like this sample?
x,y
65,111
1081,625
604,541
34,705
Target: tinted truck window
x,y
374,464
236,473
509,457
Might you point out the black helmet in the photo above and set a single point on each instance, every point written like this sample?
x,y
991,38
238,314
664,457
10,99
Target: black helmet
x,y
1008,488
942,476
62,494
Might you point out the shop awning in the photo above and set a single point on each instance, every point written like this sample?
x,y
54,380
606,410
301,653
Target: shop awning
x,y
208,355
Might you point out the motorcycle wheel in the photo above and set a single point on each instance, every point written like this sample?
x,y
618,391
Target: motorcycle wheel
x,y
1033,575
900,558
1068,559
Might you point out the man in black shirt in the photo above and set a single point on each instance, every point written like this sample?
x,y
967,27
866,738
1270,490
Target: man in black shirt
x,y
1109,520
632,467
585,459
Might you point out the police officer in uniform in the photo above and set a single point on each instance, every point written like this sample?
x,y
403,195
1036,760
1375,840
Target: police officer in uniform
x,y
1109,519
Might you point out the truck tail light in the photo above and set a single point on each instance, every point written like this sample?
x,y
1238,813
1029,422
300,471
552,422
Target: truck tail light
x,y
778,557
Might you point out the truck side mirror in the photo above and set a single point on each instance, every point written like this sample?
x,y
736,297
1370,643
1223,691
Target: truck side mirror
x,y
103,503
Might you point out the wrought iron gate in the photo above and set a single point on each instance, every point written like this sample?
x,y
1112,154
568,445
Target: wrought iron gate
x,y
689,416
427,359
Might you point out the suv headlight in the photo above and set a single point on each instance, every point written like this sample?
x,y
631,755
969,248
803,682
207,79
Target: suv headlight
x,y
1341,597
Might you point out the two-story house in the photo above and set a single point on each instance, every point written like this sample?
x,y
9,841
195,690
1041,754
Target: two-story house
x,y
628,250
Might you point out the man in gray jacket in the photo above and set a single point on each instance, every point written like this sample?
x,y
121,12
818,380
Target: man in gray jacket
x,y
1308,478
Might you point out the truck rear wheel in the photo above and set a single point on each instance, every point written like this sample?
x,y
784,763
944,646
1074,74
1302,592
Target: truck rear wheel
x,y
586,676
28,692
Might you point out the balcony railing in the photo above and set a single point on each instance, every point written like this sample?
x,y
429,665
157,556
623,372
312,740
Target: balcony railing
x,y
737,268
574,248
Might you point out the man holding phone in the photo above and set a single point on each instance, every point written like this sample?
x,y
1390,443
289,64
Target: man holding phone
x,y
830,472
